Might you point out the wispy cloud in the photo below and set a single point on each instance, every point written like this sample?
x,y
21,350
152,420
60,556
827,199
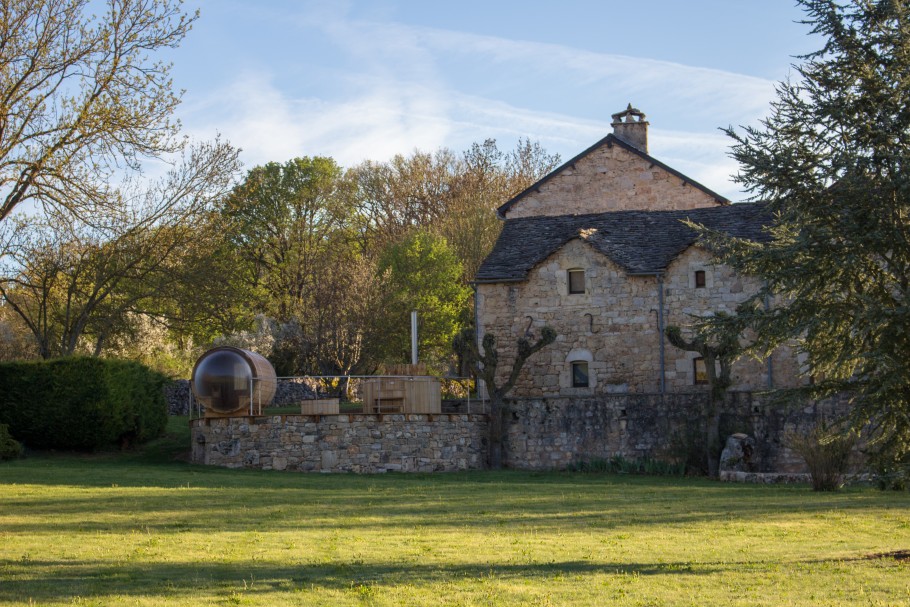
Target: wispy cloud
x,y
397,88
268,124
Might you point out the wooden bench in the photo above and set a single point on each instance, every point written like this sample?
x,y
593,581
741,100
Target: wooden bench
x,y
388,404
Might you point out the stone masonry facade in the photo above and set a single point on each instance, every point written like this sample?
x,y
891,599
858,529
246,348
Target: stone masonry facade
x,y
615,220
614,325
610,178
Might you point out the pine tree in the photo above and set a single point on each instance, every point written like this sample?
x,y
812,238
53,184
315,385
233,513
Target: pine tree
x,y
832,162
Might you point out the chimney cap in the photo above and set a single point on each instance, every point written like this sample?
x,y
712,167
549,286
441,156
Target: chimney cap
x,y
629,115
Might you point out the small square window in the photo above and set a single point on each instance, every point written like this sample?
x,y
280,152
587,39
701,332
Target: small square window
x,y
700,370
699,279
580,374
576,282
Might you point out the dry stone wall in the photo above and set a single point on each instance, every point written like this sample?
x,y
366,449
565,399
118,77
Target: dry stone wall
x,y
610,178
342,443
553,433
540,434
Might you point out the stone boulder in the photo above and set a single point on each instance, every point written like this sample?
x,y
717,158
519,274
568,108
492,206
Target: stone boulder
x,y
738,454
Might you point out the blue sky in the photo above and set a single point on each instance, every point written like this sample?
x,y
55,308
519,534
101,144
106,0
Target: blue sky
x,y
364,79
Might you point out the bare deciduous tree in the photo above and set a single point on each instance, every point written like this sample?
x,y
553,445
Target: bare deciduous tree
x,y
80,97
69,281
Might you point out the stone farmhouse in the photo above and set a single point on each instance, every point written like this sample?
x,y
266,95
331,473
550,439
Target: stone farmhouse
x,y
598,250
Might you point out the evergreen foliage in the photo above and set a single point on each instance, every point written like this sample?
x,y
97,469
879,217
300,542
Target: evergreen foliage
x,y
831,162
81,403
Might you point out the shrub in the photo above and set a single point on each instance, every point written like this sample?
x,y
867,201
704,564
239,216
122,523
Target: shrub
x,y
892,470
826,452
9,447
688,447
81,403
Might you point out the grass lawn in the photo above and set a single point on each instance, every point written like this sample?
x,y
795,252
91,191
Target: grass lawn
x,y
145,529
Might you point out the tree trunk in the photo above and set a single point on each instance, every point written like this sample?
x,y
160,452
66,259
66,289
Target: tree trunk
x,y
495,442
712,419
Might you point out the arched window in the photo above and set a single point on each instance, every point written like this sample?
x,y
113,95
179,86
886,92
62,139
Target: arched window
x,y
580,378
578,372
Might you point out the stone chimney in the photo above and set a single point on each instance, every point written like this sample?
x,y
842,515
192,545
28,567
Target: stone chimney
x,y
630,126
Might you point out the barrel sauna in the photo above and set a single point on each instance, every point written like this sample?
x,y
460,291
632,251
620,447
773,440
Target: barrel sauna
x,y
223,377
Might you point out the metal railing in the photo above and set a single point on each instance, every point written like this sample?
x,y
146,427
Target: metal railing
x,y
385,393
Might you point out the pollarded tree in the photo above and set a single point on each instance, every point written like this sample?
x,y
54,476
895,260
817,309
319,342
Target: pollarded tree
x,y
81,97
719,347
832,163
484,363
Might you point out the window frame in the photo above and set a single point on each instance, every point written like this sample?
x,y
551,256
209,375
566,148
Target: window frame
x,y
576,271
703,282
580,364
696,373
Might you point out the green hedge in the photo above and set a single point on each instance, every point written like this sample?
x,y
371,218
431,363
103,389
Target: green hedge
x,y
81,403
9,447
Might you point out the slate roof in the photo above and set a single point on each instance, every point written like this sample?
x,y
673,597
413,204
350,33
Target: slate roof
x,y
640,242
609,140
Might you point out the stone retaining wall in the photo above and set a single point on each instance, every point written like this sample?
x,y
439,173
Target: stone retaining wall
x,y
343,443
540,434
547,433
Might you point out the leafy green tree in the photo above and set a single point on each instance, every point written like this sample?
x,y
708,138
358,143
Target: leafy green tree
x,y
283,221
423,274
296,235
452,195
210,293
401,195
832,163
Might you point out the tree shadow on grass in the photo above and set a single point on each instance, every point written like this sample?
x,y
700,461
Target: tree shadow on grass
x,y
482,501
42,581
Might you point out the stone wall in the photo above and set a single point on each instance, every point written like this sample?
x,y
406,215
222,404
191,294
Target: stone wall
x,y
556,432
540,434
610,178
613,325
342,443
